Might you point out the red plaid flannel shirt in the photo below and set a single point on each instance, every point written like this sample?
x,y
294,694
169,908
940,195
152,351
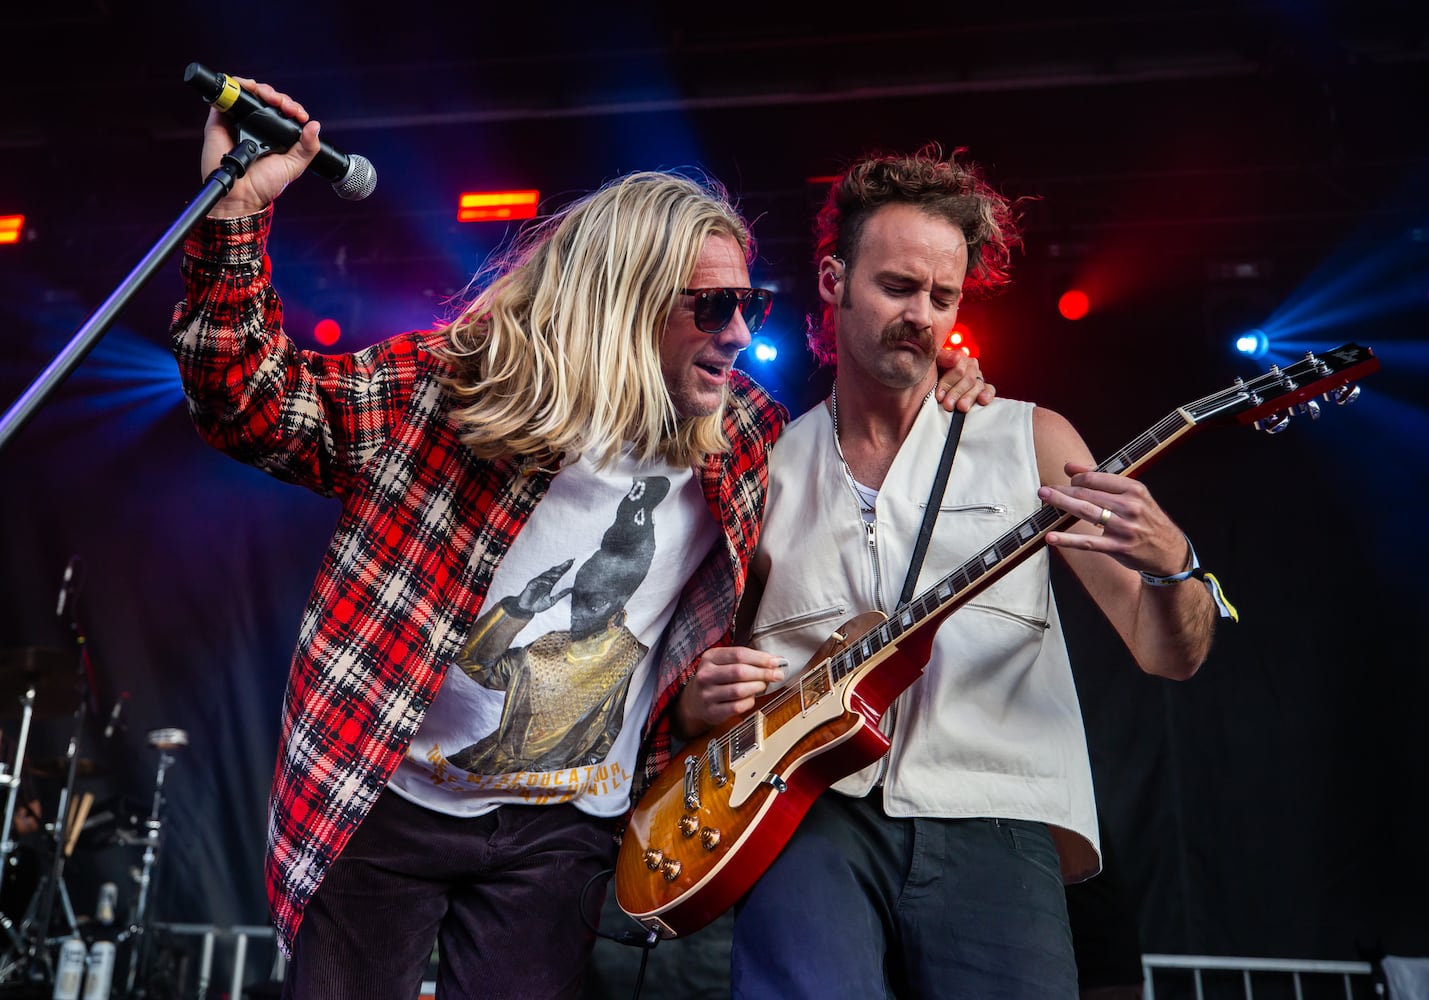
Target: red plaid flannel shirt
x,y
423,525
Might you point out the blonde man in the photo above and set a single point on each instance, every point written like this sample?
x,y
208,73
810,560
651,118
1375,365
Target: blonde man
x,y
583,414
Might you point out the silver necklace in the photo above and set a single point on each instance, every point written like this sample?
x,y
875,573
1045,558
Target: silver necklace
x,y
866,496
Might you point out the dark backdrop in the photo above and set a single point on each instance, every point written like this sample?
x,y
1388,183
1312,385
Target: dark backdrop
x,y
1201,168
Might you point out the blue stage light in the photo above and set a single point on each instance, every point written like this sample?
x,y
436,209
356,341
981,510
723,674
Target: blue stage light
x,y
1252,343
764,350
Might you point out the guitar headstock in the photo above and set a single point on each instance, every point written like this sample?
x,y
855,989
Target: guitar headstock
x,y
1268,401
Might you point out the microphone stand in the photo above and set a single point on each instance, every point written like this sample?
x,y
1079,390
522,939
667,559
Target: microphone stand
x,y
13,780
219,183
53,882
34,933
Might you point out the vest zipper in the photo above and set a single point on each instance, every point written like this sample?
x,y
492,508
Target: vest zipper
x,y
1041,624
870,528
890,716
967,508
798,621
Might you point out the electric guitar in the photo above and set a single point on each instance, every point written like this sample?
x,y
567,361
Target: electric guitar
x,y
713,821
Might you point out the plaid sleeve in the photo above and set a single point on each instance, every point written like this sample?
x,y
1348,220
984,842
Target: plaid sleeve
x,y
305,417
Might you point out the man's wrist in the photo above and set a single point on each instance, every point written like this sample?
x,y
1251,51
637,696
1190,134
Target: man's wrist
x,y
1193,571
1189,567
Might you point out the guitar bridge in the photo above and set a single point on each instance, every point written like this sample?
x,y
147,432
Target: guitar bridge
x,y
692,782
717,771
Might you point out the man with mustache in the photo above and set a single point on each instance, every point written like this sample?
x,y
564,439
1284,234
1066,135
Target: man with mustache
x,y
938,871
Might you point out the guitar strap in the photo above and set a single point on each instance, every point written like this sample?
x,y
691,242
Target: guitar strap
x,y
935,500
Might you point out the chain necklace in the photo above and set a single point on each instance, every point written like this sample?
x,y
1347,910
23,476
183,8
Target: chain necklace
x,y
866,496
863,496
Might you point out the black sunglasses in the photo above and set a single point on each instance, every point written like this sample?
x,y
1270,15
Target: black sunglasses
x,y
714,307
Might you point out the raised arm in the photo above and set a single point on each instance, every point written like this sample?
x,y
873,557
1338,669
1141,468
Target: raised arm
x,y
1121,533
302,416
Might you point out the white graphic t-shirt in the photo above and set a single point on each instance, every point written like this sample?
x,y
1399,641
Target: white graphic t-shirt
x,y
547,699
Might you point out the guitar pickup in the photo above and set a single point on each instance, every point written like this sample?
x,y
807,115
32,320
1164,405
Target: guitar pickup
x,y
745,737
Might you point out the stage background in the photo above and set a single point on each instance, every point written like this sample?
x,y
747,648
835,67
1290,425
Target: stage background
x,y
1200,169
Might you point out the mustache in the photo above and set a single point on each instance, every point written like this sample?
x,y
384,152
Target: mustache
x,y
719,356
901,332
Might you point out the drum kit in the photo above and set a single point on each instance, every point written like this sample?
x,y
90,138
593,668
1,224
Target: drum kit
x,y
36,913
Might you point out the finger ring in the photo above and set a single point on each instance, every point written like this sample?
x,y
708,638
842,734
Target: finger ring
x,y
1106,516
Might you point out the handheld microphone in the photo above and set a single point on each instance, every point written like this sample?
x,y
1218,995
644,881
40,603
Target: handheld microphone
x,y
113,722
352,177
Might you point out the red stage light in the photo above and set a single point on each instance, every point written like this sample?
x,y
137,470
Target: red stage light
x,y
960,338
1074,304
10,228
497,206
327,332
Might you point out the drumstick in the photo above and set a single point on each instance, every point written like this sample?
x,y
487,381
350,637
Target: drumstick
x,y
78,815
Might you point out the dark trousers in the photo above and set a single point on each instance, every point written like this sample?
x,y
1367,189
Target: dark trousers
x,y
862,905
499,894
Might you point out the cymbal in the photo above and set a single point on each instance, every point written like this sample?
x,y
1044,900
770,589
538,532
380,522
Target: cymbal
x,y
168,739
50,671
58,767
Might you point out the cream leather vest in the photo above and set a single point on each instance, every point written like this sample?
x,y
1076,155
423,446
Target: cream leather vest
x,y
993,728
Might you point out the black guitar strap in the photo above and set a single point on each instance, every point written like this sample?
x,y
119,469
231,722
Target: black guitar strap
x,y
935,500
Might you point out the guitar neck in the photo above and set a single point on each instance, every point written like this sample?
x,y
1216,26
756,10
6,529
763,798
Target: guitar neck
x,y
1255,401
928,609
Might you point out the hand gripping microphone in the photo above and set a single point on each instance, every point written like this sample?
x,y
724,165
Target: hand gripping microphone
x,y
352,177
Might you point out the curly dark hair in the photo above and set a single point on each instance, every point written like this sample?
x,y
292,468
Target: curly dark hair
x,y
933,182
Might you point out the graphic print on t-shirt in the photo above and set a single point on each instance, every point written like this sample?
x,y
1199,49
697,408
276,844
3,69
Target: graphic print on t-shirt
x,y
565,691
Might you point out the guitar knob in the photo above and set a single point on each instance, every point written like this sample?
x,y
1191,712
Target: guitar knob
x,y
670,868
654,857
689,824
709,837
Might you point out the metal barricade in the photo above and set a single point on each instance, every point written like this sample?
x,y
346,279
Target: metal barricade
x,y
1356,978
247,955
228,949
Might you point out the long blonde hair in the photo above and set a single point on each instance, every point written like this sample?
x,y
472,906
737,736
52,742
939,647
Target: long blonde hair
x,y
561,352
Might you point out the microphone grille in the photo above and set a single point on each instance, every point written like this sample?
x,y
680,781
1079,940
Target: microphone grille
x,y
359,181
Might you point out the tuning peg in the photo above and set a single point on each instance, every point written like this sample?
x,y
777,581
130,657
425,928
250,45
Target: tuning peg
x,y
1275,423
1309,406
1343,395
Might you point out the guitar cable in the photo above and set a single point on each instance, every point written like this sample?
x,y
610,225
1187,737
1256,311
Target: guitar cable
x,y
645,940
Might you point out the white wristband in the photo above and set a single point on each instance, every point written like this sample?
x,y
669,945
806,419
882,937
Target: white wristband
x,y
1223,607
